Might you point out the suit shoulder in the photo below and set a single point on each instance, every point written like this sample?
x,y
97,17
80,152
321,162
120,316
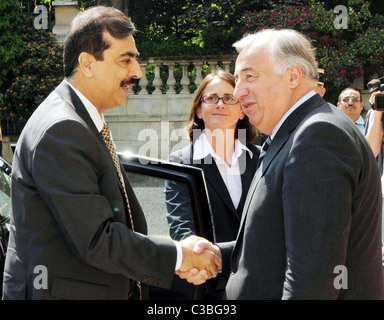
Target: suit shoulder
x,y
330,116
49,132
329,127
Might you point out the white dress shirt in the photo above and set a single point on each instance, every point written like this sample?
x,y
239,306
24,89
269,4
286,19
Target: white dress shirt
x,y
231,175
98,120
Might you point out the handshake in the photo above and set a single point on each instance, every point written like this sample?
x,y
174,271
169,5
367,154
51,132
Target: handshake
x,y
201,260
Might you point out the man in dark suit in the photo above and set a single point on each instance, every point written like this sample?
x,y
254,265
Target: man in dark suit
x,y
76,220
311,223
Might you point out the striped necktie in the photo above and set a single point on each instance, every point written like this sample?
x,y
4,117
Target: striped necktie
x,y
112,150
264,149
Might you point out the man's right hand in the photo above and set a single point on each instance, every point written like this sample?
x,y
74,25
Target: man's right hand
x,y
372,98
201,260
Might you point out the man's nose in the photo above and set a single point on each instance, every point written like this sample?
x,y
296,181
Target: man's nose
x,y
136,71
240,90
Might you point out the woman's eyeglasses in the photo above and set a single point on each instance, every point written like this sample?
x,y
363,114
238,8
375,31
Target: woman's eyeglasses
x,y
214,99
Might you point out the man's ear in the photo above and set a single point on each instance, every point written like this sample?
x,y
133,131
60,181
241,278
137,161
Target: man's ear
x,y
295,76
338,105
86,61
323,92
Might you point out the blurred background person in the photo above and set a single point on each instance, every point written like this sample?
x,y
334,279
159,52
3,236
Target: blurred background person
x,y
351,103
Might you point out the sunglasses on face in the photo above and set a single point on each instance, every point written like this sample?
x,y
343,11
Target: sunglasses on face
x,y
354,99
214,99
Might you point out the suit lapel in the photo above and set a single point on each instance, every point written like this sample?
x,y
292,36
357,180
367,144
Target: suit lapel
x,y
213,176
246,177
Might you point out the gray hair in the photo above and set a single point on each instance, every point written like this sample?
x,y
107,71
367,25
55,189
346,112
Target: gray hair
x,y
287,48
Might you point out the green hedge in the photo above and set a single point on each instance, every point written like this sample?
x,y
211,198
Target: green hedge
x,y
37,72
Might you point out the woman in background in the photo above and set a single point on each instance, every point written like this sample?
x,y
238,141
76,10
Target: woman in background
x,y
221,144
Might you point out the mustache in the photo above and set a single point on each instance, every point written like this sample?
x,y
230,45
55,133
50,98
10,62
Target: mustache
x,y
127,82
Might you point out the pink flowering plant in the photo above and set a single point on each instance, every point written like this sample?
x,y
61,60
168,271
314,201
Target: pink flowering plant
x,y
345,54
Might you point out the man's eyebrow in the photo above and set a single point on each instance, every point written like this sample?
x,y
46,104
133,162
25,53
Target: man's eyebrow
x,y
245,69
250,68
130,54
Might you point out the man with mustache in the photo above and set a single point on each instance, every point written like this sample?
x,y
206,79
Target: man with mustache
x,y
311,224
351,103
75,215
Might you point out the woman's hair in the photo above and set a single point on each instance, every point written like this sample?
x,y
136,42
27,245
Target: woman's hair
x,y
194,122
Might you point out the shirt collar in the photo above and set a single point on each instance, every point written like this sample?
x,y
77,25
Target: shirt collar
x,y
360,120
97,119
202,148
293,108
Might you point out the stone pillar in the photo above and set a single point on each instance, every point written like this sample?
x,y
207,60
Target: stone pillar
x,y
65,11
227,66
212,65
157,82
184,80
199,69
171,82
143,81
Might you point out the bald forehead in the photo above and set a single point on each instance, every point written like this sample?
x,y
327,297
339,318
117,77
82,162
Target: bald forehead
x,y
251,57
350,93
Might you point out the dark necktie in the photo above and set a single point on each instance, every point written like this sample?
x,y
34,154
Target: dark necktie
x,y
264,149
112,150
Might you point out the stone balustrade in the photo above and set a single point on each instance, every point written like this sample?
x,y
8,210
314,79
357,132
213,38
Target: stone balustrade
x,y
178,75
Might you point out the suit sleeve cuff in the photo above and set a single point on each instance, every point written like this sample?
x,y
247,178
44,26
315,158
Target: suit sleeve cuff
x,y
179,259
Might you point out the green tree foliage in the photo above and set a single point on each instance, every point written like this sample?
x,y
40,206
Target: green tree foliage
x,y
345,54
30,63
39,71
188,27
11,44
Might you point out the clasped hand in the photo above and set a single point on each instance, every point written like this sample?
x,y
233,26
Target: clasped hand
x,y
201,260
